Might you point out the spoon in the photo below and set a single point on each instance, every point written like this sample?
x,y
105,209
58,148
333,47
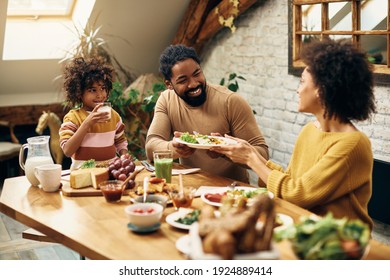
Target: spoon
x,y
181,183
146,184
233,185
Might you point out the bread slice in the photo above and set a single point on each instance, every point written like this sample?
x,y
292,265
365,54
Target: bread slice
x,y
156,185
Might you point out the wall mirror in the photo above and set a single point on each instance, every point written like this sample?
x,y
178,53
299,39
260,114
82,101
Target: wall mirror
x,y
364,22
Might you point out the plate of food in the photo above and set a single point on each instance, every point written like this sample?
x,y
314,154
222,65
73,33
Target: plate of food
x,y
214,196
200,141
183,218
156,186
281,221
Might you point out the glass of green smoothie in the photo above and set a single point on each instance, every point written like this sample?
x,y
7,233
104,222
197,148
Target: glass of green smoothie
x,y
163,161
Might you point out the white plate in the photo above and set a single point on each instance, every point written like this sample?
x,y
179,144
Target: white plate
x,y
171,218
285,219
183,244
227,141
225,189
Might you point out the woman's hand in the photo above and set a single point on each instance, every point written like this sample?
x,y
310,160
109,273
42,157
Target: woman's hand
x,y
242,152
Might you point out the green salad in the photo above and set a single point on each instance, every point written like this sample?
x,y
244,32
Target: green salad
x,y
245,193
190,138
189,218
326,238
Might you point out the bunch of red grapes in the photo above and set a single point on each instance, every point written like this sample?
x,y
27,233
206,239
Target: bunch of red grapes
x,y
121,168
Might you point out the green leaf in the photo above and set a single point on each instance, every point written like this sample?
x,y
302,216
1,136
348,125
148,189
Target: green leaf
x,y
233,87
232,76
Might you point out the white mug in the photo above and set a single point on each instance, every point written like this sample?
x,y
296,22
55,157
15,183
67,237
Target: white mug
x,y
49,176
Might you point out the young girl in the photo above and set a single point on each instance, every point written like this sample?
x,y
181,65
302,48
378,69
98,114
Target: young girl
x,y
87,133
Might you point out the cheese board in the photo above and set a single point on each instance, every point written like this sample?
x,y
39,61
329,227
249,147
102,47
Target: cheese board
x,y
67,190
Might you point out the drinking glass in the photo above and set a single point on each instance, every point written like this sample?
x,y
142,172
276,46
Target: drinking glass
x,y
106,107
182,197
163,161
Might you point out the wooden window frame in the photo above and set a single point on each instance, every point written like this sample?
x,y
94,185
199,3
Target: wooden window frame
x,y
295,65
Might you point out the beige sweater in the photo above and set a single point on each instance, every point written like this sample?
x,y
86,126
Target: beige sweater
x,y
328,171
224,112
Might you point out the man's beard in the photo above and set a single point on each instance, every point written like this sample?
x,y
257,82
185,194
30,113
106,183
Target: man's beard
x,y
197,100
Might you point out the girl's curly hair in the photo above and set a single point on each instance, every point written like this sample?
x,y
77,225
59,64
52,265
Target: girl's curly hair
x,y
344,77
81,73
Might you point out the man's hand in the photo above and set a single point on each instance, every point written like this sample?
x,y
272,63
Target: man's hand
x,y
182,149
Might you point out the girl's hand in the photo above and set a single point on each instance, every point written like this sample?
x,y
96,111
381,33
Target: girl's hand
x,y
97,117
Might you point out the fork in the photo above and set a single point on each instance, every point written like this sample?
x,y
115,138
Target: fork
x,y
147,165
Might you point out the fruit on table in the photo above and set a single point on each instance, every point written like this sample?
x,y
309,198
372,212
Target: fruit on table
x,y
121,168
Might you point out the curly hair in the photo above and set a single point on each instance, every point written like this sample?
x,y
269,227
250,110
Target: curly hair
x,y
173,54
344,77
81,73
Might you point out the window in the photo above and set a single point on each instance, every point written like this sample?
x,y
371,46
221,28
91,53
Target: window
x,y
38,8
364,22
43,29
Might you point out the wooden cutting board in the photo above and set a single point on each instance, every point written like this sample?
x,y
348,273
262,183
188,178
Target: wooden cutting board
x,y
89,191
67,190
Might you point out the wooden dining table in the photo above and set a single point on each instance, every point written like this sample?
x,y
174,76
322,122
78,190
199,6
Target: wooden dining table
x,y
97,229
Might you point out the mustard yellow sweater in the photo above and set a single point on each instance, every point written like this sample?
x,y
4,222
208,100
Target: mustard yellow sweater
x,y
328,171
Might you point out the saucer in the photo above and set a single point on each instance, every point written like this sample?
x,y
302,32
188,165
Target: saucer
x,y
143,229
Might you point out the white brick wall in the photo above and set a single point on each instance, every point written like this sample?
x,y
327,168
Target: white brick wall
x,y
258,50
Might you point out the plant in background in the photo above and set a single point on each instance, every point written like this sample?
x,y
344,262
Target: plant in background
x,y
136,114
232,82
90,44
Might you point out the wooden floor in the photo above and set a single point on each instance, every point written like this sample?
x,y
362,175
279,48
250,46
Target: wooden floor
x,y
14,247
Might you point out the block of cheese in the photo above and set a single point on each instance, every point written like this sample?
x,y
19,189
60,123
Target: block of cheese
x,y
80,178
88,177
98,175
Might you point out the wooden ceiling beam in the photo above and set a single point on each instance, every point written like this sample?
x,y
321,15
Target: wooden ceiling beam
x,y
212,24
192,21
202,20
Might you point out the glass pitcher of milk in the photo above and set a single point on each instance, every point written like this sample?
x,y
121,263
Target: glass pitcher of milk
x,y
38,154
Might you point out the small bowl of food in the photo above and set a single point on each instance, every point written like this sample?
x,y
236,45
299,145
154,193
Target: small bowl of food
x,y
112,190
143,215
152,198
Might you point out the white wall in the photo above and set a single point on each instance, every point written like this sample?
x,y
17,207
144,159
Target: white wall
x,y
136,31
258,50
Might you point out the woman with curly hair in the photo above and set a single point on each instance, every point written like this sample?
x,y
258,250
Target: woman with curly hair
x,y
87,133
331,166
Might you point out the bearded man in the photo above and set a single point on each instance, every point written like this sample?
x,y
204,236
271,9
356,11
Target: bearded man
x,y
191,104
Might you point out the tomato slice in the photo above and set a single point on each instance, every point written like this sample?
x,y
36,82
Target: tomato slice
x,y
214,197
